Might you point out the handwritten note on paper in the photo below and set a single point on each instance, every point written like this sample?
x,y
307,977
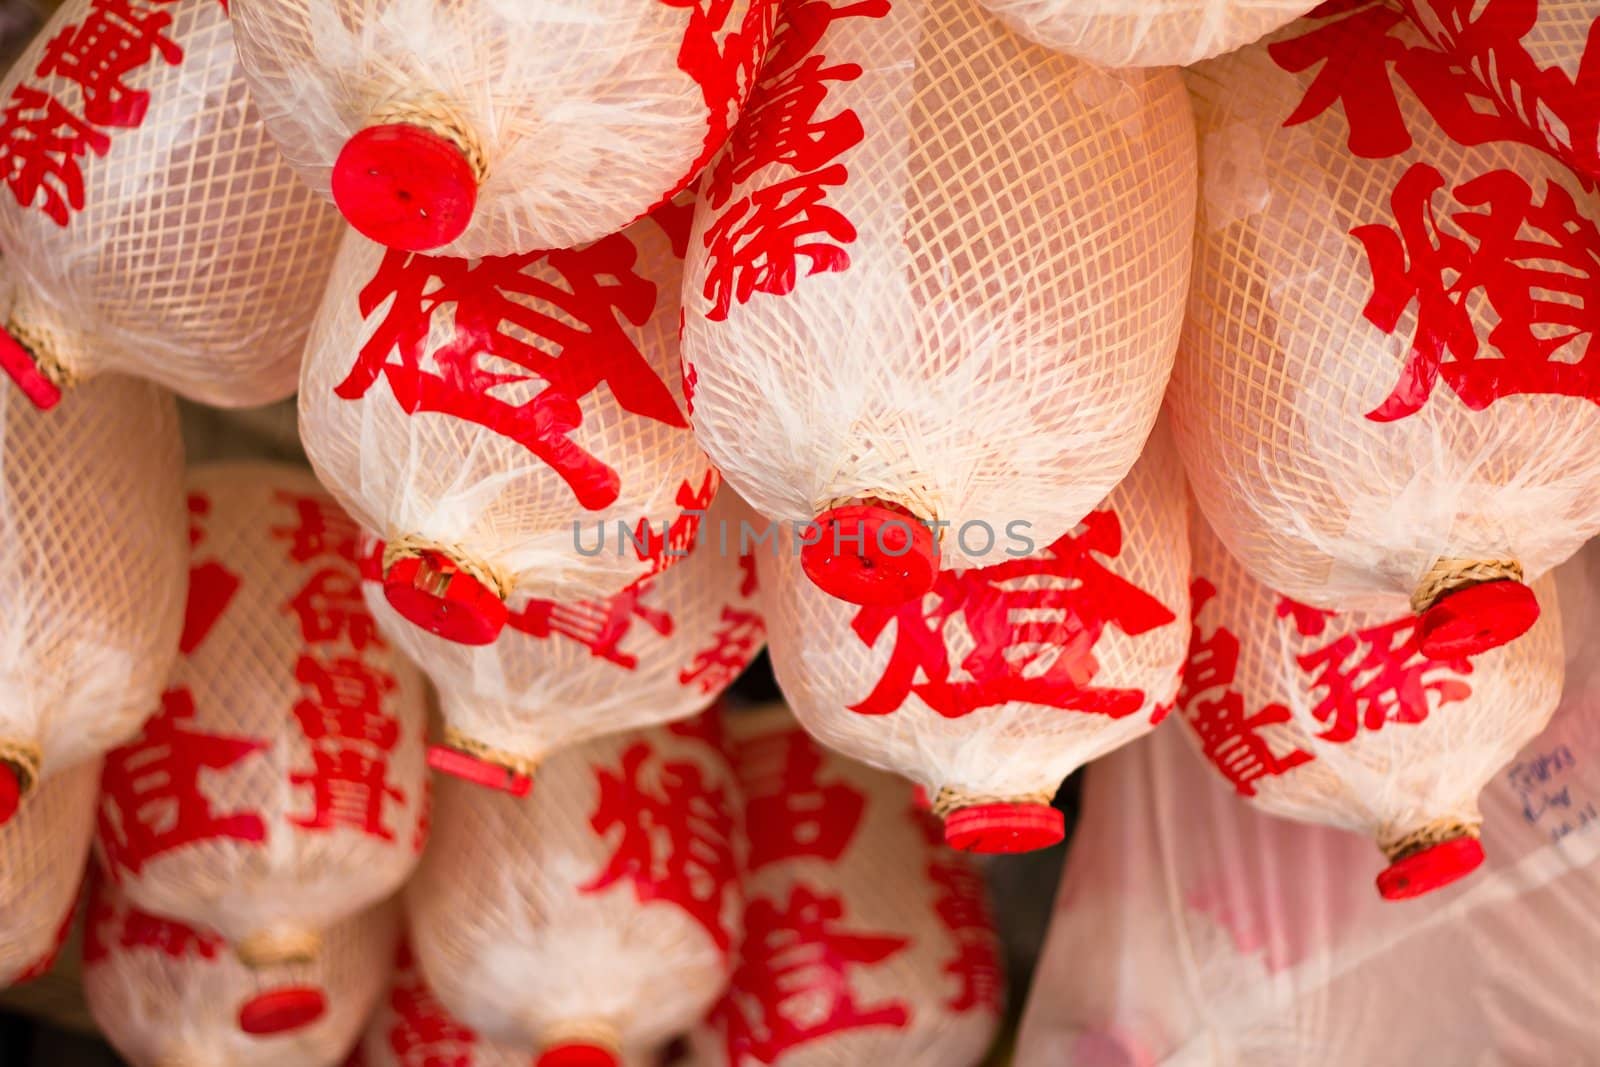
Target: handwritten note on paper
x,y
1543,784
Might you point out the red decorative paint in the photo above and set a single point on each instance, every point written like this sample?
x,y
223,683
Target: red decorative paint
x,y
738,637
961,904
423,1033
791,812
601,626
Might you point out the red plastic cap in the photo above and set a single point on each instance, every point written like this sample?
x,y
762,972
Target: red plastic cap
x,y
871,554
470,768
282,1010
405,187
10,792
1004,828
1432,868
1477,619
24,370
435,594
578,1055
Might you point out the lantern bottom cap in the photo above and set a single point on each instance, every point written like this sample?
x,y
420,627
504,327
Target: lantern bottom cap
x,y
1430,868
282,1010
578,1054
405,186
10,792
871,553
478,771
1476,619
24,370
430,591
1004,828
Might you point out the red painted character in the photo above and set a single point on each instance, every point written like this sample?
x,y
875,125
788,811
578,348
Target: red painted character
x,y
722,60
600,626
963,910
789,810
320,530
350,733
732,648
424,1034
665,547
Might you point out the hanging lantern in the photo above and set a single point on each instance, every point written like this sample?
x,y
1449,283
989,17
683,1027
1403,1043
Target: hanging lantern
x,y
1384,394
941,295
42,856
481,415
151,227
1001,681
281,786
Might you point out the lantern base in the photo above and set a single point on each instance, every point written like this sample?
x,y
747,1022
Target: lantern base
x,y
432,591
1477,618
578,1054
10,792
282,1010
478,771
1430,868
872,553
24,370
1004,828
405,186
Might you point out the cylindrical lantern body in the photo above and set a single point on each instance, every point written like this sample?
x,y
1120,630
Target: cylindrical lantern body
x,y
169,995
152,227
42,856
866,939
937,276
1146,33
486,128
92,566
1003,680
481,416
1382,393
598,917
281,785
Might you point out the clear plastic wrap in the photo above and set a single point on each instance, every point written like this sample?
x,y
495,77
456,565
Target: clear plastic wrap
x,y
151,227
934,288
169,995
598,918
282,784
1146,33
91,576
866,940
996,686
486,417
495,127
1386,391
42,857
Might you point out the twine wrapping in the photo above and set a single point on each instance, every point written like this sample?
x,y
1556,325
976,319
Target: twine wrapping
x,y
914,501
279,946
511,761
596,1032
949,800
1434,833
1449,575
24,759
437,118
407,546
45,346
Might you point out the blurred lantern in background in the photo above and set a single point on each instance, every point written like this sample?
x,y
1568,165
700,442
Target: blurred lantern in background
x,y
42,855
1149,33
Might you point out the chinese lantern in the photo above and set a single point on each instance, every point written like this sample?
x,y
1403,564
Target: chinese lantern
x,y
486,128
1151,33
1338,717
1004,679
1231,936
663,649
866,939
42,855
151,228
932,310
596,919
456,410
1537,58
282,784
170,995
1382,393
93,571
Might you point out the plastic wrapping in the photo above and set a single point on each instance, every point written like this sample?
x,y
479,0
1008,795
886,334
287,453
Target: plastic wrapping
x,y
503,490
282,784
1000,683
1146,33
42,857
561,673
1339,718
1385,392
494,127
597,918
1539,59
936,278
1191,930
91,576
168,995
151,227
866,940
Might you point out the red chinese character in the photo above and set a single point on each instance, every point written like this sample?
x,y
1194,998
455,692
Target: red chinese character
x,y
676,540
1012,628
792,983
117,38
1531,269
320,529
600,625
330,607
1355,52
349,784
789,811
549,350
211,589
143,930
40,144
676,837
346,702
732,648
348,789
150,791
43,965
963,910
723,61
747,580
424,1034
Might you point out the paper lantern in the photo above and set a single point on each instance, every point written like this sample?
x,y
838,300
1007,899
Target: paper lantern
x,y
281,786
487,128
170,995
1537,58
934,288
480,416
42,855
151,228
92,568
1150,33
866,939
1003,680
1339,718
597,918
663,649
1385,391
